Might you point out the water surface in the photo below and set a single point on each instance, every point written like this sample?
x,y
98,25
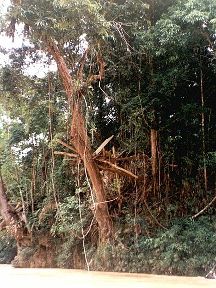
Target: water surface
x,y
59,278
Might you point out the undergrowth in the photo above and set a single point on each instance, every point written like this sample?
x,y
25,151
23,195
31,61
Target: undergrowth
x,y
187,247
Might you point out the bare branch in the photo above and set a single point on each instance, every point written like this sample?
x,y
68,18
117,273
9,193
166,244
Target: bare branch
x,y
100,148
204,209
66,145
117,169
66,154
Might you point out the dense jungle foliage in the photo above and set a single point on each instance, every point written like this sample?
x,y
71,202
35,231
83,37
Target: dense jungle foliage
x,y
108,153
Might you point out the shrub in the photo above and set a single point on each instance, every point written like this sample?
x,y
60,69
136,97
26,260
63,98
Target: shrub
x,y
186,248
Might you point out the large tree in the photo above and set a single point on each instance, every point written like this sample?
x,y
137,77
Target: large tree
x,y
57,28
143,71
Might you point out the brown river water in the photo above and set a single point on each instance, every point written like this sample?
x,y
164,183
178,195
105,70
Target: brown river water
x,y
50,278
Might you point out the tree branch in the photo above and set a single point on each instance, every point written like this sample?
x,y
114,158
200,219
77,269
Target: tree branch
x,y
204,209
66,154
117,169
66,145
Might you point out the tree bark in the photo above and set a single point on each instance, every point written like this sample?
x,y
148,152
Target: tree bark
x,y
203,130
81,144
154,158
10,218
5,209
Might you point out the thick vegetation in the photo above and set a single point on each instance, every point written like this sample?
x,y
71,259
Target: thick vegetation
x,y
109,162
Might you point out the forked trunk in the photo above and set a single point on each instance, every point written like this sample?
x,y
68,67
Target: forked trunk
x,y
81,144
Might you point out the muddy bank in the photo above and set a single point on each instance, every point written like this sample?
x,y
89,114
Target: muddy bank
x,y
44,251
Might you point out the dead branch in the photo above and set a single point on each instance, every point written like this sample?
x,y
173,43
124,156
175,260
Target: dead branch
x,y
100,148
66,145
204,209
116,169
66,154
153,217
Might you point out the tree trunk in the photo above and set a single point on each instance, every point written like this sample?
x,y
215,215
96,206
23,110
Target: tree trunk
x,y
203,130
5,209
10,218
81,144
154,158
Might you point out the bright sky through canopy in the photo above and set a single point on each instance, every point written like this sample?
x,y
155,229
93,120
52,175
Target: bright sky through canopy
x,y
38,68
